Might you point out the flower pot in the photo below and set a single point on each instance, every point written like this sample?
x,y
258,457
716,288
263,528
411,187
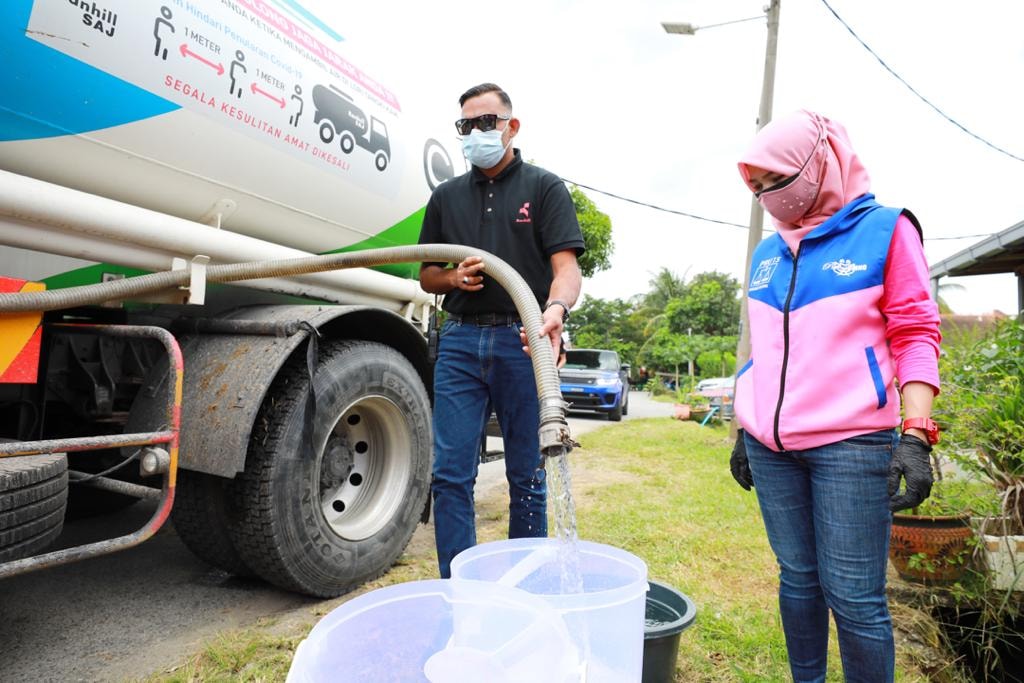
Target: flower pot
x,y
699,413
930,549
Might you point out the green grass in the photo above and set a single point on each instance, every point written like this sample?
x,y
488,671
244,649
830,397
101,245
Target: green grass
x,y
659,488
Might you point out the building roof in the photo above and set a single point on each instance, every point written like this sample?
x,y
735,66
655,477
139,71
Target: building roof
x,y
999,253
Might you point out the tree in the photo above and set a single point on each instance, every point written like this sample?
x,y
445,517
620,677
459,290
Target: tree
x,y
709,304
607,324
665,286
597,234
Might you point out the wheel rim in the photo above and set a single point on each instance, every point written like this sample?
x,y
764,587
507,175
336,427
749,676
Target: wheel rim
x,y
365,468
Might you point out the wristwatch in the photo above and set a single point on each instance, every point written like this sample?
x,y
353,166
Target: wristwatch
x,y
926,425
565,308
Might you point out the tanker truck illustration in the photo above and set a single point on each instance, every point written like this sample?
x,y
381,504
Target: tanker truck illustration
x,y
338,115
281,423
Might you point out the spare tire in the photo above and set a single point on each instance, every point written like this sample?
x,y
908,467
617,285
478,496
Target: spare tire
x,y
33,500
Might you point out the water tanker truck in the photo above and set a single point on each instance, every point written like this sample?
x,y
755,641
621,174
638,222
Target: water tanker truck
x,y
282,423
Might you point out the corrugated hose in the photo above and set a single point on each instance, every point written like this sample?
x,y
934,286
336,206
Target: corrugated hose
x,y
555,439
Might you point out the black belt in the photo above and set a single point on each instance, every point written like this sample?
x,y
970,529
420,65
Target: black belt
x,y
485,319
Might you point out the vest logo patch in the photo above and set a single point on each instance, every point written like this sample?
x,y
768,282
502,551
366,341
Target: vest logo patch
x,y
524,213
763,274
844,267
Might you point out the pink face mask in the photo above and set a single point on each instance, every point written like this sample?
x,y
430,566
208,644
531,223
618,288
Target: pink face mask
x,y
791,199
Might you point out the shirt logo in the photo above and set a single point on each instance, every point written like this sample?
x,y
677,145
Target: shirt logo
x,y
524,213
844,267
763,274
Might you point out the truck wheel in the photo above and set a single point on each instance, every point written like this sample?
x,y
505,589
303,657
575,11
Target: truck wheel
x,y
201,519
616,413
33,498
380,161
322,523
347,142
326,132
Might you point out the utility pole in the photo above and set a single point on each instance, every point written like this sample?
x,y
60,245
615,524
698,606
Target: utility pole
x,y
764,115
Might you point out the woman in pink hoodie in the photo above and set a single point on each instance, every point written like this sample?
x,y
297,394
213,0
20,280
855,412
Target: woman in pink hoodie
x,y
844,338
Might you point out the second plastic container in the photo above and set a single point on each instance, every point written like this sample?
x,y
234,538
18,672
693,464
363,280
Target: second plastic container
x,y
605,620
438,632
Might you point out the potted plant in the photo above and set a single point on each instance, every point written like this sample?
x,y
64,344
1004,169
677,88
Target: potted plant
x,y
934,542
700,406
982,413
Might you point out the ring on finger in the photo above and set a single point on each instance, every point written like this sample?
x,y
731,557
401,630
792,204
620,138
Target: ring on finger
x,y
465,279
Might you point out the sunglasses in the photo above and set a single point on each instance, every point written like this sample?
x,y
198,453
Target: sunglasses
x,y
483,123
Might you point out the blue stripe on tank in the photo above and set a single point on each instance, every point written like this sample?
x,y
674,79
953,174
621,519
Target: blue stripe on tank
x,y
45,93
876,377
746,366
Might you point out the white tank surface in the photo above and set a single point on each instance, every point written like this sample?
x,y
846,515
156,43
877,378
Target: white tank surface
x,y
247,115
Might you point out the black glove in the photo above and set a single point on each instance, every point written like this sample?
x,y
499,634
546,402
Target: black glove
x,y
912,461
738,463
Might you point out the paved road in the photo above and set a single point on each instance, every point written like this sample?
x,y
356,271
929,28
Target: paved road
x,y
143,610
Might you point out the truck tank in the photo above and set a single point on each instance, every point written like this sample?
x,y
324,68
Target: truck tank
x,y
146,135
204,111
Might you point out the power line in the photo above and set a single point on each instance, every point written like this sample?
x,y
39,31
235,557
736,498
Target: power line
x,y
729,223
657,208
911,88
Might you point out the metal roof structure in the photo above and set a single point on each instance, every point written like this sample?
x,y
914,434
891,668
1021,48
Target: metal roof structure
x,y
999,253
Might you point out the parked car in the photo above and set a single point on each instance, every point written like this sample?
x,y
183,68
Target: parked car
x,y
715,386
720,391
595,379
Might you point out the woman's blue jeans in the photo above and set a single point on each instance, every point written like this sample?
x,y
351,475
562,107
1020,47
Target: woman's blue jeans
x,y
479,368
826,511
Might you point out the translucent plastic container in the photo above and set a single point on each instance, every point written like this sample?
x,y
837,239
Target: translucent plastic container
x,y
438,631
605,620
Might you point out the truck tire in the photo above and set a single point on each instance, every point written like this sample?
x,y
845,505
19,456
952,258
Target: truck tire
x,y
625,401
33,499
322,523
380,161
200,517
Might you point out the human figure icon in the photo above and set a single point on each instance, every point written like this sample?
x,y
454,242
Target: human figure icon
x,y
163,20
294,118
237,66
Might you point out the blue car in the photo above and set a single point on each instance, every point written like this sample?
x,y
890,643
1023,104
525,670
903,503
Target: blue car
x,y
595,379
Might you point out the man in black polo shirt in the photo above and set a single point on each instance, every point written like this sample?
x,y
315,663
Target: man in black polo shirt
x,y
524,215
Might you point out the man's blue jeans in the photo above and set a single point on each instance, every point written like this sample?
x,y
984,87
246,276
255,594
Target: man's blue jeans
x,y
477,368
826,511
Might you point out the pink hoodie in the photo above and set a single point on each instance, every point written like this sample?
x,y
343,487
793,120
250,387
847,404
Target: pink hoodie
x,y
839,299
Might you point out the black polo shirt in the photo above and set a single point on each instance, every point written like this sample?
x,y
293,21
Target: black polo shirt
x,y
523,215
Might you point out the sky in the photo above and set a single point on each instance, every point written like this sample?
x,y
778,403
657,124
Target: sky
x,y
607,99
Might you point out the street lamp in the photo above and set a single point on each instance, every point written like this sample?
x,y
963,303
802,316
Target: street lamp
x,y
689,29
764,115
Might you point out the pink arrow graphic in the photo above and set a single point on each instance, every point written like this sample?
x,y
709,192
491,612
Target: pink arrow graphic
x,y
185,52
256,89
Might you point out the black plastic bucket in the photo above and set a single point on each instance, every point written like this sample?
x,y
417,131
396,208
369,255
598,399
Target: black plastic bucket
x,y
668,614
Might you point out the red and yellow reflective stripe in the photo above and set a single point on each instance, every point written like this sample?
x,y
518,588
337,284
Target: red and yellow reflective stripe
x,y
20,337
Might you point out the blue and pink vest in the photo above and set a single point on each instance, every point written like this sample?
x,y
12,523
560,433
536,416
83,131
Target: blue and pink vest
x,y
820,369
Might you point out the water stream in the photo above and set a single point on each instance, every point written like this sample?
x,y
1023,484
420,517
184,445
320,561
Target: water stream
x,y
564,514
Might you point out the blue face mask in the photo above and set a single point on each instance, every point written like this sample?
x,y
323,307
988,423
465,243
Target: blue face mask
x,y
484,150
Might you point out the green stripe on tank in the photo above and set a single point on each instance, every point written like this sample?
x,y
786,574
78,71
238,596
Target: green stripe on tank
x,y
89,275
405,232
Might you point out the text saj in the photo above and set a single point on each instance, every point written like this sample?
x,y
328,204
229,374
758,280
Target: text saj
x,y
94,16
